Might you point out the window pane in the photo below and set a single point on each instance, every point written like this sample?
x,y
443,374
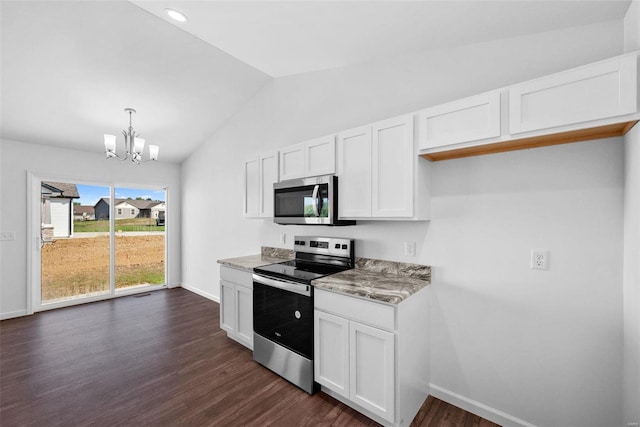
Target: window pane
x,y
75,251
140,237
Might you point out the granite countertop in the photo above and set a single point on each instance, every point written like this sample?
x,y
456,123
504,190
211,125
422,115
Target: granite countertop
x,y
266,256
382,281
378,280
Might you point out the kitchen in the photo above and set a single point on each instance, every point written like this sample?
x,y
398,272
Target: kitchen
x,y
541,346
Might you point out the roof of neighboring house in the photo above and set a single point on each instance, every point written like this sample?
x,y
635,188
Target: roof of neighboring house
x,y
140,204
79,210
143,204
66,190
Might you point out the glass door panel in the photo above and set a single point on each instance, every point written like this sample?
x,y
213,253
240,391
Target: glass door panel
x,y
139,237
75,253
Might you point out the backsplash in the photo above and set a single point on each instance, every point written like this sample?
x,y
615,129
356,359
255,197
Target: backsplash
x,y
276,252
415,271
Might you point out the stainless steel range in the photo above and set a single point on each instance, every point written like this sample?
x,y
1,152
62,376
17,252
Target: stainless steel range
x,y
283,306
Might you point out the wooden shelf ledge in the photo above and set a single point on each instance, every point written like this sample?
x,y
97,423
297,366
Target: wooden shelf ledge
x,y
608,131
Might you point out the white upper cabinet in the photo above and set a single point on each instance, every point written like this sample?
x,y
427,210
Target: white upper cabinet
x,y
392,175
259,175
597,91
310,158
292,162
251,181
470,119
320,156
268,176
380,176
598,100
354,173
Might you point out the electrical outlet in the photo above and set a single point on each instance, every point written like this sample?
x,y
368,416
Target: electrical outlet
x,y
410,248
283,238
7,235
539,259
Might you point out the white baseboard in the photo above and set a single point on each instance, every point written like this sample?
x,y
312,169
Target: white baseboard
x,y
477,408
12,314
202,293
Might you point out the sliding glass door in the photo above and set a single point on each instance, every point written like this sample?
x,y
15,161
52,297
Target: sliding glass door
x,y
97,242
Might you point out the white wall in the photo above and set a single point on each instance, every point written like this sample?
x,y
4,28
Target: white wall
x,y
631,271
631,277
18,158
632,27
544,347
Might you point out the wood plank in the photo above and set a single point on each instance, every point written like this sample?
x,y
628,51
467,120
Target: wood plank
x,y
161,359
608,131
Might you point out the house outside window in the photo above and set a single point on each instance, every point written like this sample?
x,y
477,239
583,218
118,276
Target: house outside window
x,y
119,211
133,212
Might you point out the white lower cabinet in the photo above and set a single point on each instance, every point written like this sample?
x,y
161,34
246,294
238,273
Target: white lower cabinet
x,y
236,305
331,364
373,357
372,369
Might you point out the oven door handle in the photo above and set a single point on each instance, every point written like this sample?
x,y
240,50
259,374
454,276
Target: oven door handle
x,y
314,196
284,285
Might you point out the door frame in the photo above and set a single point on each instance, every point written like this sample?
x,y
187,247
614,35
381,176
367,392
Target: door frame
x,y
34,259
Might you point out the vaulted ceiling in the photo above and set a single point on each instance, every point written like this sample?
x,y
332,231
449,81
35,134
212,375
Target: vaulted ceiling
x,y
69,68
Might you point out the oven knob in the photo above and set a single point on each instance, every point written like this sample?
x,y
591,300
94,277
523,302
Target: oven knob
x,y
297,314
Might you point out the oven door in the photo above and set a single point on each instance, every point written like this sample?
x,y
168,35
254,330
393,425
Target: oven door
x,y
304,201
283,313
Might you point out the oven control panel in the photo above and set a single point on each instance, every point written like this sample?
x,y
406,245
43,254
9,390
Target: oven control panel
x,y
324,245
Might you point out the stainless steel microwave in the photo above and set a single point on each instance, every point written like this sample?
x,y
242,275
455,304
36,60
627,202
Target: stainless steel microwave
x,y
307,201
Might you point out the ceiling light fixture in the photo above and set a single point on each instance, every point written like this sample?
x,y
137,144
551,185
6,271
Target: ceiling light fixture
x,y
175,15
133,145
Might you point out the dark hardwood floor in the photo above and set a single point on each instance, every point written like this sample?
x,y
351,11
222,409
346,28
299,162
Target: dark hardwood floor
x,y
159,360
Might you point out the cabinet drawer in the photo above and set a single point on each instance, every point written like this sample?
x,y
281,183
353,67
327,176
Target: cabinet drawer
x,y
239,277
367,312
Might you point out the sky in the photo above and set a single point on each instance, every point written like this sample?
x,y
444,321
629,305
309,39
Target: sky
x,y
90,194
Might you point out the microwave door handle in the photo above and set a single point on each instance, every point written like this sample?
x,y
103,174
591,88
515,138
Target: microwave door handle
x,y
316,212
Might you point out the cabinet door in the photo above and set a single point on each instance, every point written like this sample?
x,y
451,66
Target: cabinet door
x,y
320,156
372,369
244,315
251,175
227,307
268,176
331,361
354,171
470,119
596,91
392,174
292,162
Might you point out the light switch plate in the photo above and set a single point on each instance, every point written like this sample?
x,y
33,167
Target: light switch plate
x,y
7,235
410,248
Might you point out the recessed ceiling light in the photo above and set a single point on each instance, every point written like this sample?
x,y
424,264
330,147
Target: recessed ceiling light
x,y
174,14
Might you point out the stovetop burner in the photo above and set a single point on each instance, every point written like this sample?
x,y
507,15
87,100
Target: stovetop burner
x,y
315,257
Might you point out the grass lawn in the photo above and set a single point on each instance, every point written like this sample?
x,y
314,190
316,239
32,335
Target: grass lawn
x,y
132,224
73,267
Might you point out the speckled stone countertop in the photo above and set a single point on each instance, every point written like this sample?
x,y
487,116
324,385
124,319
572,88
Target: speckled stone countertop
x,y
378,280
267,255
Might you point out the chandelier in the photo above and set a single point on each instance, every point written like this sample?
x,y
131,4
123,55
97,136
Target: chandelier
x,y
133,145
